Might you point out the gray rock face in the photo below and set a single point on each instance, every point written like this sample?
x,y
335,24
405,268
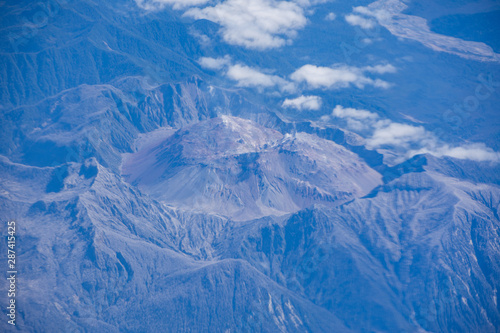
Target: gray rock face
x,y
233,167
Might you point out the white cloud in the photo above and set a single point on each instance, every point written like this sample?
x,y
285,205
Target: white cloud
x,y
475,152
250,77
380,69
256,24
214,63
368,18
357,120
307,3
331,17
314,77
356,20
396,134
342,112
176,4
406,140
338,77
324,77
246,76
303,103
379,14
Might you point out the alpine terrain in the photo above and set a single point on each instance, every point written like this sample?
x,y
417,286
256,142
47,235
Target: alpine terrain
x,y
250,166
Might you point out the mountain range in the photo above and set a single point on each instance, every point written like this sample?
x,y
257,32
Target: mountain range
x,y
258,166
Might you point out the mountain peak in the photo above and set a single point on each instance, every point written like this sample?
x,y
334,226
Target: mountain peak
x,y
237,168
222,136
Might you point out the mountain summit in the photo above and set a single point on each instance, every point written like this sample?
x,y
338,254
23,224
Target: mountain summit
x,y
236,168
